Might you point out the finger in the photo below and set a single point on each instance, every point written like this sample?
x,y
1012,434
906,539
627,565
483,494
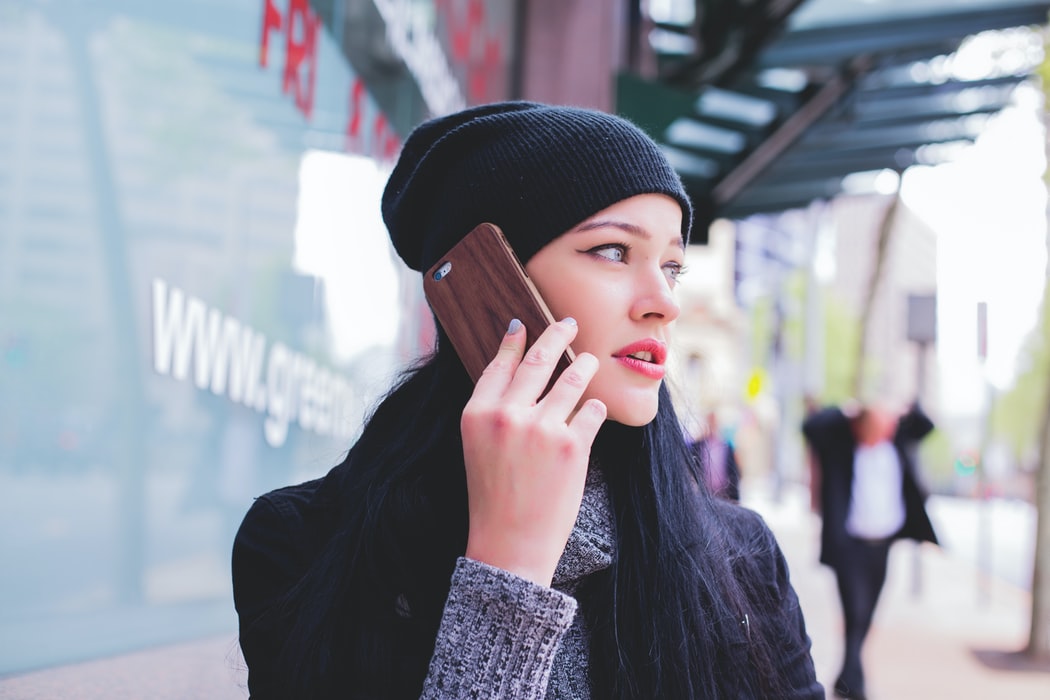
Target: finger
x,y
499,372
533,374
588,420
564,396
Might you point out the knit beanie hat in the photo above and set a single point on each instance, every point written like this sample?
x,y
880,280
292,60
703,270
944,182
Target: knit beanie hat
x,y
534,170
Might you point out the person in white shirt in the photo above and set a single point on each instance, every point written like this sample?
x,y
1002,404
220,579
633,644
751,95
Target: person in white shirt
x,y
870,496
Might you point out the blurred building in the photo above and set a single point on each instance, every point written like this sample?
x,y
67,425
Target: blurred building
x,y
909,269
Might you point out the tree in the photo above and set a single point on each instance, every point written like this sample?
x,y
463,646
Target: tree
x,y
882,244
1039,634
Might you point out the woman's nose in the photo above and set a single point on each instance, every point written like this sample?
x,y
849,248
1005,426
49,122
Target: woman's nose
x,y
655,298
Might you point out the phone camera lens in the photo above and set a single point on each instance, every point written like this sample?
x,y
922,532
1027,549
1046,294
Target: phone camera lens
x,y
442,271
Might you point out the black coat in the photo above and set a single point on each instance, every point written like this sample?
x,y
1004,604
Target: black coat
x,y
284,531
834,445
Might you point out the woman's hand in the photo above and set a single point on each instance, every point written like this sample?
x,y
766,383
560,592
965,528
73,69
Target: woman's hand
x,y
526,457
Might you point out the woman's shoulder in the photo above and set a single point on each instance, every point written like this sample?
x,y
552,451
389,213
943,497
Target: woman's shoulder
x,y
284,509
275,542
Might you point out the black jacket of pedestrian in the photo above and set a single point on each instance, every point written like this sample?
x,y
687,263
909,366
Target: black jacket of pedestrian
x,y
829,433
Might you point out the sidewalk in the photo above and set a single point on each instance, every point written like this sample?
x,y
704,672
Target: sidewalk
x,y
940,630
204,669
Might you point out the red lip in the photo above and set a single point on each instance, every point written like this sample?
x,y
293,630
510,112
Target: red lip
x,y
654,369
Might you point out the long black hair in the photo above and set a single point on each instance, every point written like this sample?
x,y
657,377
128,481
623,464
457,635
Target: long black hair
x,y
668,617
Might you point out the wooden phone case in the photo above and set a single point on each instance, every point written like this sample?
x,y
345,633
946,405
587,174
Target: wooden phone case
x,y
476,289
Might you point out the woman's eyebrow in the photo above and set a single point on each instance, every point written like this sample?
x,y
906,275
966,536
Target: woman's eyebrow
x,y
624,226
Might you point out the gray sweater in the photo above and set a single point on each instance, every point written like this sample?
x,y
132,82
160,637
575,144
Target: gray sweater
x,y
502,636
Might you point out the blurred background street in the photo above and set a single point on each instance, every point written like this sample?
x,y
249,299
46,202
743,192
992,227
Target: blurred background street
x,y
945,627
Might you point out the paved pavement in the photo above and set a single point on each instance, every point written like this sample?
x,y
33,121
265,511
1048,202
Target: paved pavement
x,y
205,669
941,630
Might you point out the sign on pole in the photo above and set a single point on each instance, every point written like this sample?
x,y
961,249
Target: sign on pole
x,y
922,318
982,330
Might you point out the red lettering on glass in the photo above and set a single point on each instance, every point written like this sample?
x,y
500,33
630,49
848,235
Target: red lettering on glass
x,y
461,30
271,22
471,45
478,73
475,15
379,135
353,122
300,59
300,24
391,145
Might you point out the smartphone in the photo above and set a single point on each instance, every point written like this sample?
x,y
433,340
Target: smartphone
x,y
476,289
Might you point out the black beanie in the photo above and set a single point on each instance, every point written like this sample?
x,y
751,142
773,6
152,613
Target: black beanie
x,y
534,170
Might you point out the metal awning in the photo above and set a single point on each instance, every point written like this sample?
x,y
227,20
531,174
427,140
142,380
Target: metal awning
x,y
786,102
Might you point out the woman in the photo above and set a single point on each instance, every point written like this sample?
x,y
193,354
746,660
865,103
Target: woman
x,y
479,541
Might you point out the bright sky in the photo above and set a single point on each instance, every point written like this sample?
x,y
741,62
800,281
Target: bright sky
x,y
989,209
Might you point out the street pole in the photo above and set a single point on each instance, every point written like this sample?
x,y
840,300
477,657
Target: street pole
x,y
984,524
921,330
984,512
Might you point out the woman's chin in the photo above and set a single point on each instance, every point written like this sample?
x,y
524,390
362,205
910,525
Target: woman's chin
x,y
634,416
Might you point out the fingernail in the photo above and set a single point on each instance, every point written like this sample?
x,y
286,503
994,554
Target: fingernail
x,y
514,327
569,321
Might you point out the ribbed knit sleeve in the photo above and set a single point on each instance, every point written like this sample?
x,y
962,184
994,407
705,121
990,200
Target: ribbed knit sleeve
x,y
498,636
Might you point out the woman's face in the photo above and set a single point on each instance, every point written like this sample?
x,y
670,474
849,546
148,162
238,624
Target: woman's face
x,y
615,273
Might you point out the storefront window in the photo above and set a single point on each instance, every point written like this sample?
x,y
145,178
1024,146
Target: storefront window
x,y
198,301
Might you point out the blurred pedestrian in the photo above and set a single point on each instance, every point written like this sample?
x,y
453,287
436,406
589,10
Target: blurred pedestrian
x,y
717,459
870,496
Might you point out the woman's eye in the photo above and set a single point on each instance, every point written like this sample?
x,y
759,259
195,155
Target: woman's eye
x,y
674,270
612,252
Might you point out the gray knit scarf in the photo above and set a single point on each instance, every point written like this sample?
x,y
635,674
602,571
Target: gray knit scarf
x,y
590,549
